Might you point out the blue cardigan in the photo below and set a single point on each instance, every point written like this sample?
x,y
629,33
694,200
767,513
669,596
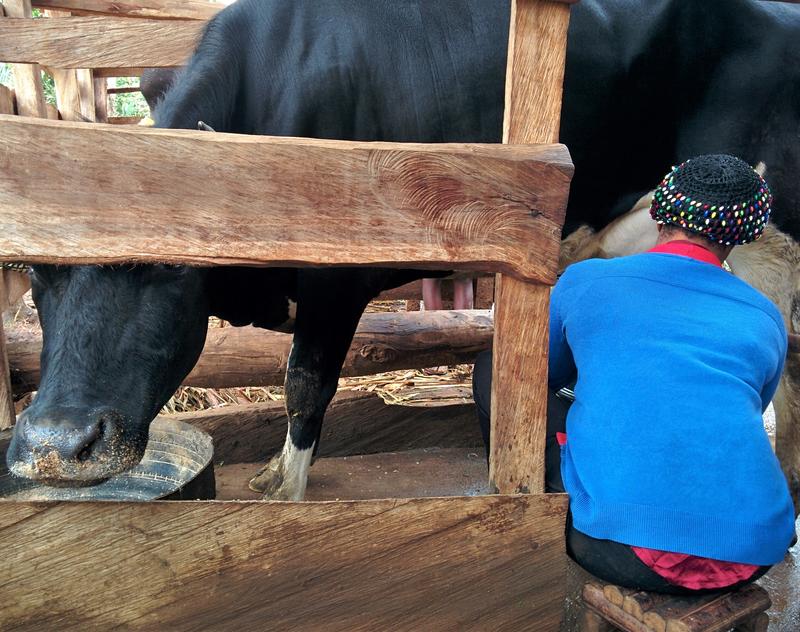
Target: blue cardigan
x,y
676,361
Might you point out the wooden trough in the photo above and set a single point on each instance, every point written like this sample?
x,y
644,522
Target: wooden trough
x,y
490,561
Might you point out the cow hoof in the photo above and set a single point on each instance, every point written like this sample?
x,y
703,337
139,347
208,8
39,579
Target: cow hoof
x,y
269,479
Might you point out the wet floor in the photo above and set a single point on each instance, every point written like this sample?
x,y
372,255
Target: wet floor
x,y
783,584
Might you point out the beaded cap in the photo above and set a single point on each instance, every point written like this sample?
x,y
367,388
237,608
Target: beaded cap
x,y
717,196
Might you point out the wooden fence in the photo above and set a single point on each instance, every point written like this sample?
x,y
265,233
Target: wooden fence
x,y
492,561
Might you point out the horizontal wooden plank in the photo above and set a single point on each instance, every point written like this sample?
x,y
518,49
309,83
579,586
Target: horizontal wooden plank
x,y
99,42
247,356
104,73
356,422
123,90
153,9
124,120
126,194
489,562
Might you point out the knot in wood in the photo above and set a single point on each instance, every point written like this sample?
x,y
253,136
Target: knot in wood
x,y
378,353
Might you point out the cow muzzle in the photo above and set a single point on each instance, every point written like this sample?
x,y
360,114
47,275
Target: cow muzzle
x,y
68,446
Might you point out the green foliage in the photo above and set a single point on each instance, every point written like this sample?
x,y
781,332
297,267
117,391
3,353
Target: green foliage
x,y
6,76
129,104
49,88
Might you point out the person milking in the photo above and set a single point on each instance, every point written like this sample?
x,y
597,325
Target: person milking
x,y
673,486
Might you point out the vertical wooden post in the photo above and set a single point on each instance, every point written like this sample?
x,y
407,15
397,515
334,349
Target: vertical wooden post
x,y
27,77
7,413
74,87
29,102
101,99
536,56
7,98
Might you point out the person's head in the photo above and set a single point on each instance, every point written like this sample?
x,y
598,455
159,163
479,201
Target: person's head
x,y
717,200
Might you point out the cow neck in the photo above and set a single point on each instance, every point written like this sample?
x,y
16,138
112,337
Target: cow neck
x,y
686,248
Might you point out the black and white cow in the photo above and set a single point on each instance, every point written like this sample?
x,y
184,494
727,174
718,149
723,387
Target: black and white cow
x,y
648,84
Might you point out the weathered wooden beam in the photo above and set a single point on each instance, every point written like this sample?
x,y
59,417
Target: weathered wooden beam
x,y
356,422
123,120
7,412
74,88
100,42
27,77
123,90
128,194
100,98
28,100
495,562
152,9
535,74
246,356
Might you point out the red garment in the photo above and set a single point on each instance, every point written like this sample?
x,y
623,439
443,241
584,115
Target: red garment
x,y
688,249
680,569
690,571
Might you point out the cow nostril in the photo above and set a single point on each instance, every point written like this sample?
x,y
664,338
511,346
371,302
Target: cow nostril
x,y
86,452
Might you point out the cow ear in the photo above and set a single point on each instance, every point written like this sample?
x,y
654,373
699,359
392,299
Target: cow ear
x,y
204,128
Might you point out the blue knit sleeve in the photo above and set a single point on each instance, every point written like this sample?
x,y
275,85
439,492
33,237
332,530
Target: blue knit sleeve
x,y
562,368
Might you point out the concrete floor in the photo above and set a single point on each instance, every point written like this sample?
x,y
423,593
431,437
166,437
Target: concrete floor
x,y
783,584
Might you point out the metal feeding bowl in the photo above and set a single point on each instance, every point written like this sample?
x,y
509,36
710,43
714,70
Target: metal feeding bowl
x,y
176,466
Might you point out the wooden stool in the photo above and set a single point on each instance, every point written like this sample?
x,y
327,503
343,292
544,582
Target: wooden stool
x,y
609,607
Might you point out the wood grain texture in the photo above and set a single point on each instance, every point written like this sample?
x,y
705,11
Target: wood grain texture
x,y
7,414
519,386
596,601
27,77
646,612
74,93
153,9
124,120
446,564
131,194
99,42
534,79
356,422
7,99
247,356
759,623
27,100
74,87
100,98
535,71
718,614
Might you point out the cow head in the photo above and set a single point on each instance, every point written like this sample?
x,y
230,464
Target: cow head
x,y
117,341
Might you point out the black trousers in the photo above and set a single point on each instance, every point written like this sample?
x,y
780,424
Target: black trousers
x,y
611,561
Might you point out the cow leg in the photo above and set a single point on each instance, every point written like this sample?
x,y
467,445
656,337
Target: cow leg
x,y
329,306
